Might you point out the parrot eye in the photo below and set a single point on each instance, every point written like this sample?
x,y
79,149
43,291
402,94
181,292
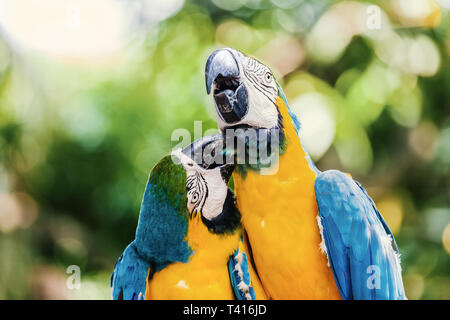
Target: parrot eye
x,y
268,76
197,192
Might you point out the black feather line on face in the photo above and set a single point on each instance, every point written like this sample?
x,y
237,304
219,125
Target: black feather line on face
x,y
265,90
228,220
197,185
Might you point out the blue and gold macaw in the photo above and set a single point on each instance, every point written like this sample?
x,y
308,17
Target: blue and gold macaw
x,y
313,235
189,241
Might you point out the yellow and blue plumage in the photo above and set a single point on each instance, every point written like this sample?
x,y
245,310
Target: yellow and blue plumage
x,y
189,243
314,235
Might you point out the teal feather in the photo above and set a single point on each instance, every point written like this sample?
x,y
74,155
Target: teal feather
x,y
233,266
162,227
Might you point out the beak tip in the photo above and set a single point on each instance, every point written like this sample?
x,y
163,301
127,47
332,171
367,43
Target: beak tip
x,y
221,61
208,85
208,76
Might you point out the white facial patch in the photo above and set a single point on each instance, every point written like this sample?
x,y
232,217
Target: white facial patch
x,y
206,190
262,93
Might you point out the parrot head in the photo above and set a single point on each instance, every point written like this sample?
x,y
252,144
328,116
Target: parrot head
x,y
207,185
249,103
245,91
180,191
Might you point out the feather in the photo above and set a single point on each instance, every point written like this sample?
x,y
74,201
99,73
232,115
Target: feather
x,y
361,249
130,272
240,275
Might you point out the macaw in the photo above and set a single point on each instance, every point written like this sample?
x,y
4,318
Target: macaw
x,y
313,234
189,242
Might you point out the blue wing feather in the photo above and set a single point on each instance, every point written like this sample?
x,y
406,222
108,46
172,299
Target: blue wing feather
x,y
361,248
240,275
159,241
128,280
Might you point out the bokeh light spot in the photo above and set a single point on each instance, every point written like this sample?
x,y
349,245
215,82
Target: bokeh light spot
x,y
229,5
233,33
436,219
414,286
18,210
391,207
286,60
422,139
317,122
446,238
64,28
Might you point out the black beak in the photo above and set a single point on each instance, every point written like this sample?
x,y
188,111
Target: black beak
x,y
210,153
230,95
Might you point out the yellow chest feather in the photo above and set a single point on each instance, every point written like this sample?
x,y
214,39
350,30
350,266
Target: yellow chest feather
x,y
279,213
205,275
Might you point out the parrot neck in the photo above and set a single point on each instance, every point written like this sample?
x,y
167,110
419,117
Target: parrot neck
x,y
228,220
216,239
287,142
292,126
294,159
209,246
293,166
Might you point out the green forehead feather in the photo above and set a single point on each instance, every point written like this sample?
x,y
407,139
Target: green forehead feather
x,y
170,179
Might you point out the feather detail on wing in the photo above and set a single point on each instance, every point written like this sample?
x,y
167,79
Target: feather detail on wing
x,y
128,280
361,249
238,267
